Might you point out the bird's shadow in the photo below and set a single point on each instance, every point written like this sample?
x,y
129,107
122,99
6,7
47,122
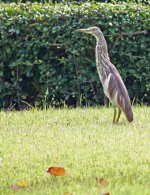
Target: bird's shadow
x,y
120,123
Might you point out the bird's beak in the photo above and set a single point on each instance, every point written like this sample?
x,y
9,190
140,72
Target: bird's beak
x,y
81,30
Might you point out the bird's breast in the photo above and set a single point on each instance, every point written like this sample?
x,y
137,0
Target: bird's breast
x,y
105,84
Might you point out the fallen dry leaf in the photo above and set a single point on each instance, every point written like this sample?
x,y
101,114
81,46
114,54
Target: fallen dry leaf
x,y
22,184
106,193
67,193
56,171
19,185
102,182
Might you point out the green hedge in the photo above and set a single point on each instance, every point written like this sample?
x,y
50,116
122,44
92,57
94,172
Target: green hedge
x,y
43,61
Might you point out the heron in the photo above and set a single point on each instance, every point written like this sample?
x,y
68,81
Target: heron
x,y
113,85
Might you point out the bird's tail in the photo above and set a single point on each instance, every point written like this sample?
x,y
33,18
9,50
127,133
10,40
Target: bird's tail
x,y
129,115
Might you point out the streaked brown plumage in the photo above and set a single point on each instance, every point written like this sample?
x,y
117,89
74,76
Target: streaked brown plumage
x,y
111,80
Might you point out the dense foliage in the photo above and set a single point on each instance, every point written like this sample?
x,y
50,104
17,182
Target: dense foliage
x,y
44,61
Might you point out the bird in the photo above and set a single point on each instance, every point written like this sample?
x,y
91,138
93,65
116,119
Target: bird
x,y
113,85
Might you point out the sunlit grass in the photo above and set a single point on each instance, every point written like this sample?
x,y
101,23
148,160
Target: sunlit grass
x,y
84,142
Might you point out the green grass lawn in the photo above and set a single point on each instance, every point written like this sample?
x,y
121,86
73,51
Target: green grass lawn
x,y
84,142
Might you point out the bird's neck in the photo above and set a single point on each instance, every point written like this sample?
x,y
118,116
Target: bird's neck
x,y
102,57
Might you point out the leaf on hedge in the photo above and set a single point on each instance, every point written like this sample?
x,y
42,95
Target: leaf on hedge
x,y
56,171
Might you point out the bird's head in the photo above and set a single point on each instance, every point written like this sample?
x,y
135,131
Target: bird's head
x,y
94,30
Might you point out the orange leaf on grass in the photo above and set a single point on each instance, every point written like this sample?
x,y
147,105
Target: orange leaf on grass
x,y
106,193
67,193
102,182
56,171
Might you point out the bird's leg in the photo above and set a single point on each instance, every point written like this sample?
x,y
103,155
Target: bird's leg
x,y
119,113
115,112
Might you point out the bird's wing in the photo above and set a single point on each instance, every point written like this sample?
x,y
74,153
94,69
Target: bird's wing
x,y
119,94
113,90
117,90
